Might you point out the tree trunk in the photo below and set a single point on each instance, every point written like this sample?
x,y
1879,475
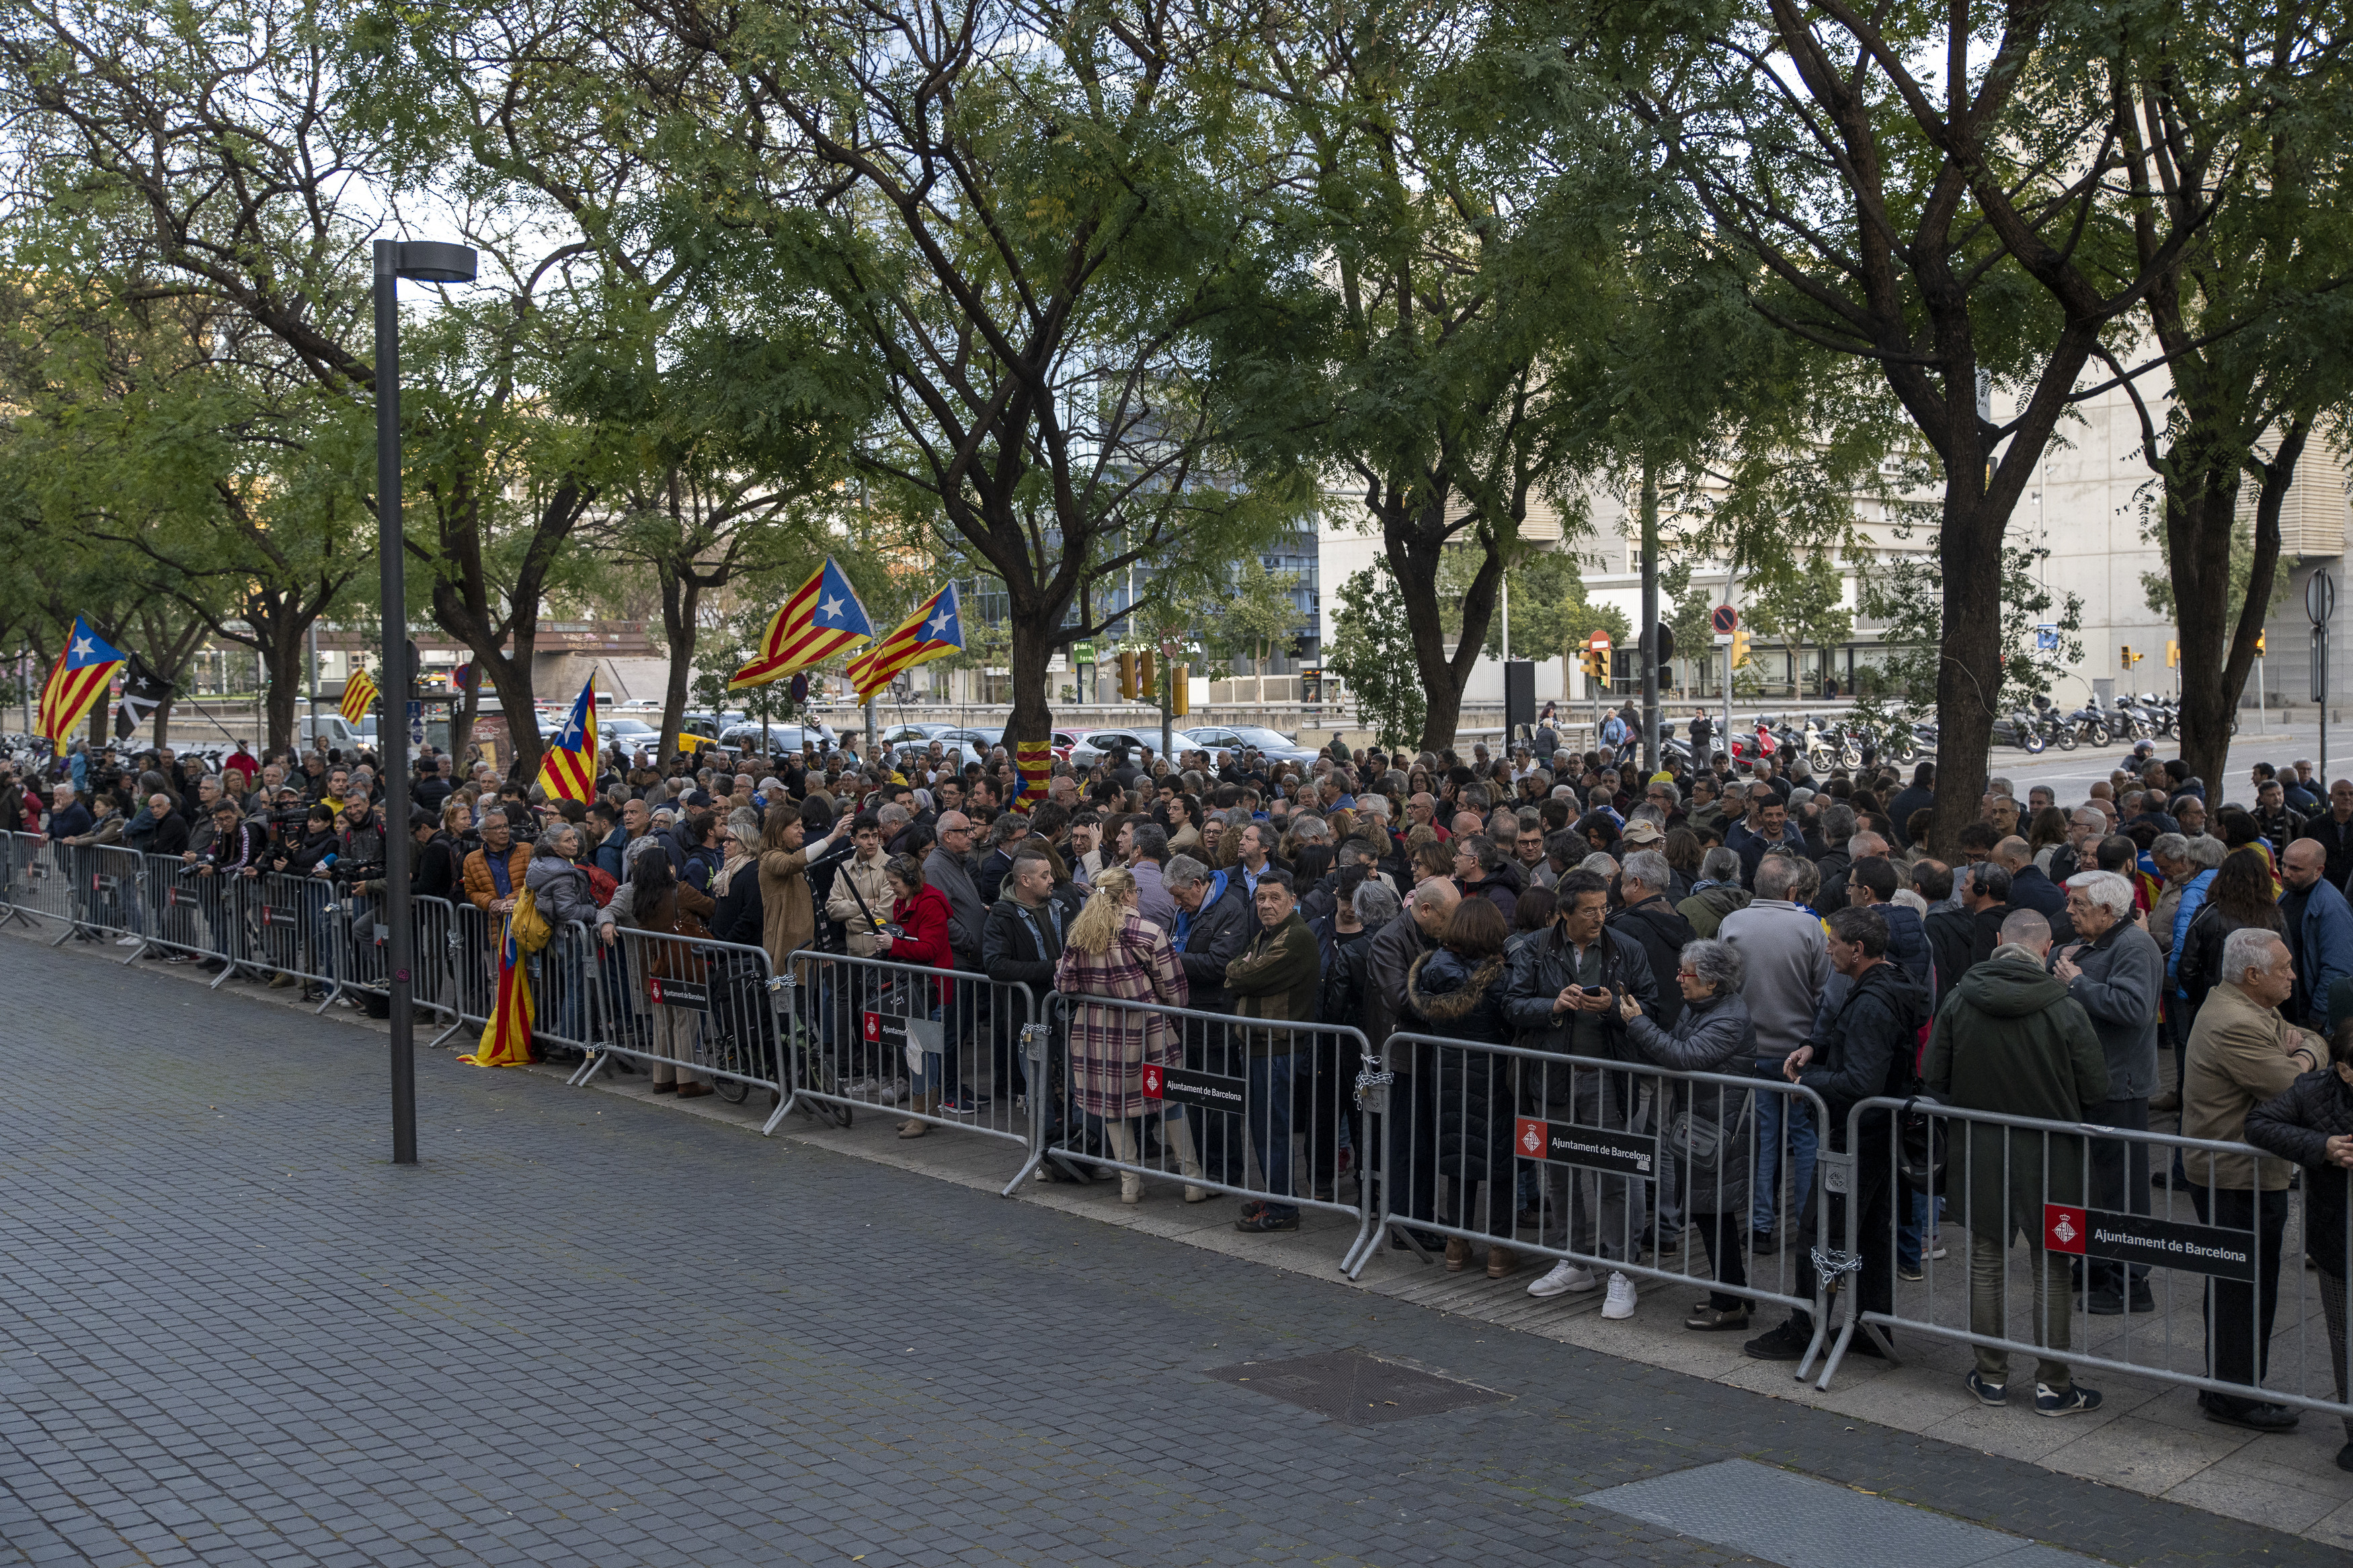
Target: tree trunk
x,y
1970,674
1034,624
2201,504
680,597
284,657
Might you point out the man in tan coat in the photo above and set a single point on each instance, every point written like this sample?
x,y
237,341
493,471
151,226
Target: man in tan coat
x,y
860,878
2241,1053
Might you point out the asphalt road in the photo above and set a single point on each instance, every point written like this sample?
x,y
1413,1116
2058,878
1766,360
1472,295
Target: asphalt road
x,y
592,1332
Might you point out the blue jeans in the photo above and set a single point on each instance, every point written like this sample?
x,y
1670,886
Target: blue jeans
x,y
1915,1223
1764,1203
1272,1079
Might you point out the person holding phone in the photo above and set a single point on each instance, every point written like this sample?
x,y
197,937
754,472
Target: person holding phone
x,y
1565,997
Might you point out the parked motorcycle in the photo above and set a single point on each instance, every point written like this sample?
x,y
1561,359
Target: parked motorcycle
x,y
2026,731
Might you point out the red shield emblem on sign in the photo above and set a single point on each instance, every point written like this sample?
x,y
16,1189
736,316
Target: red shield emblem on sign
x,y
1151,1082
2064,1228
653,983
1532,1137
873,1026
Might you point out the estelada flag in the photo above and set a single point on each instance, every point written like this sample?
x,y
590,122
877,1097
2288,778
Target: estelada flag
x,y
1033,766
78,678
932,630
569,770
822,618
506,1037
358,692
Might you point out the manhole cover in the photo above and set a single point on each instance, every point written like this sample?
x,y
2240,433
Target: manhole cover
x,y
1349,1385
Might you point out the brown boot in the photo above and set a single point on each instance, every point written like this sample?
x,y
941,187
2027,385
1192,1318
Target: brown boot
x,y
1458,1255
914,1127
1502,1262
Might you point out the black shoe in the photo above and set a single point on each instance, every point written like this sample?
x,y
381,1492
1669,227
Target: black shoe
x,y
2103,1303
1266,1220
2345,1457
1763,1241
2250,1414
1786,1342
2143,1298
1864,1344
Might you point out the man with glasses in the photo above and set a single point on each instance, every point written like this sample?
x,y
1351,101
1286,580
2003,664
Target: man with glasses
x,y
948,869
1663,793
1528,849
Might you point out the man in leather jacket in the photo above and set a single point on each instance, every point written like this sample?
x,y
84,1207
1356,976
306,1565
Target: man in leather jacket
x,y
1562,997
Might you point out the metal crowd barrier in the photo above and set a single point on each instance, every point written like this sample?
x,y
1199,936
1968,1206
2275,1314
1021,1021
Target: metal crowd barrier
x,y
2214,1275
41,878
1263,1109
694,1008
1598,1142
944,1047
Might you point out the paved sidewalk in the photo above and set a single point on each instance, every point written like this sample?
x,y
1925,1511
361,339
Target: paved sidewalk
x,y
593,1330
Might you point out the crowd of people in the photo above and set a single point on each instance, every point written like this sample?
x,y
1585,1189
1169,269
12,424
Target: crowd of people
x,y
2141,953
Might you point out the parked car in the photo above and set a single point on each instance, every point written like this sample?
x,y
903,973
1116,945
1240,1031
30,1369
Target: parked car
x,y
900,734
1091,747
1271,744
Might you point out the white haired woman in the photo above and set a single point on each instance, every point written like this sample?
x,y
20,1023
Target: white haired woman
x,y
2116,971
1114,954
1710,1138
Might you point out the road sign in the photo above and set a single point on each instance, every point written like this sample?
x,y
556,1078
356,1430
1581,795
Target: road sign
x,y
416,722
2046,638
1599,642
1724,618
2320,598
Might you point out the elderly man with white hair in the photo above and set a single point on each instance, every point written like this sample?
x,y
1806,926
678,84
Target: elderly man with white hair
x,y
2116,971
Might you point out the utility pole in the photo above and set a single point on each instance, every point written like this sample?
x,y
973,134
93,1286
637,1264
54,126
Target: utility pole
x,y
1648,641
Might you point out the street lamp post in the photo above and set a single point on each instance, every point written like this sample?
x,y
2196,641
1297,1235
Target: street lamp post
x,y
430,262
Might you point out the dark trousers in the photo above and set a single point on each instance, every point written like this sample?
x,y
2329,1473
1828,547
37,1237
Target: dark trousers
x,y
2119,1181
1725,1237
1221,1136
1874,1191
1409,1165
2239,1315
1327,1099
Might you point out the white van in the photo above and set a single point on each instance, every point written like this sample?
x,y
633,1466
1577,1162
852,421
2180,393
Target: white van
x,y
326,731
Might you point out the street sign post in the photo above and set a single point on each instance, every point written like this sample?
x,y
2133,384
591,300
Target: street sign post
x,y
2320,607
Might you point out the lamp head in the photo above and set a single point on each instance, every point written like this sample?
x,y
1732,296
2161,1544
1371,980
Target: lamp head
x,y
429,261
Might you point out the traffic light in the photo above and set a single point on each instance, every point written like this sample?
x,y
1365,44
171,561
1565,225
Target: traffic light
x,y
1594,661
1127,675
1739,647
2259,645
2130,659
2172,654
1180,699
1144,682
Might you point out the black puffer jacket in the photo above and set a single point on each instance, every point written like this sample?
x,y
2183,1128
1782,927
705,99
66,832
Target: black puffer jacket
x,y
1868,1046
2297,1125
1445,996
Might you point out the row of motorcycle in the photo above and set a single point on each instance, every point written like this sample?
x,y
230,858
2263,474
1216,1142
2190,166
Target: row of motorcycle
x,y
1840,744
2044,724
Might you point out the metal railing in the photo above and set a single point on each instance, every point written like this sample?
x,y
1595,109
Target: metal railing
x,y
2189,1277
1627,1162
1263,1109
689,1008
941,1047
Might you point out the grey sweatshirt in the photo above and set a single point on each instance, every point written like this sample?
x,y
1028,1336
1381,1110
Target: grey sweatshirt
x,y
1788,962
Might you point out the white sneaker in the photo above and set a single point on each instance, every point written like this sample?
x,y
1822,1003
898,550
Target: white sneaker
x,y
1565,1277
129,942
1621,1303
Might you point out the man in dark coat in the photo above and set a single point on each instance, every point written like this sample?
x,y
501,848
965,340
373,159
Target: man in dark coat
x,y
1410,1125
1862,1048
2008,1039
1646,916
1277,978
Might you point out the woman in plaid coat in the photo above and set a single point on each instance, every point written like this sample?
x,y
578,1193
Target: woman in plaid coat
x,y
1115,953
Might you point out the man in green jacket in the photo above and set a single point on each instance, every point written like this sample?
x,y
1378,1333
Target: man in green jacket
x,y
2008,1039
1276,978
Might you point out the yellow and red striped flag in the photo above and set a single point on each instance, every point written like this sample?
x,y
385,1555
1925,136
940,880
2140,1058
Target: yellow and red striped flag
x,y
932,630
84,669
569,770
359,691
506,1037
1033,765
822,618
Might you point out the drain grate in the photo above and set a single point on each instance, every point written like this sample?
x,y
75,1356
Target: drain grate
x,y
1360,1389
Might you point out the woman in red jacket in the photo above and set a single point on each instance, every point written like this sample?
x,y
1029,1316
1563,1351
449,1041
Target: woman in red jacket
x,y
918,934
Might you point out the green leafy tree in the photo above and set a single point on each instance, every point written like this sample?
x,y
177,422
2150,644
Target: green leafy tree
x,y
1802,605
1254,610
1373,651
1904,593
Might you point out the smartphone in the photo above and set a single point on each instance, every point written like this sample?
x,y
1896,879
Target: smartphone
x,y
1596,991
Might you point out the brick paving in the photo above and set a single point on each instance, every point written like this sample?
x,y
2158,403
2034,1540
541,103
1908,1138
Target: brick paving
x,y
591,1331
